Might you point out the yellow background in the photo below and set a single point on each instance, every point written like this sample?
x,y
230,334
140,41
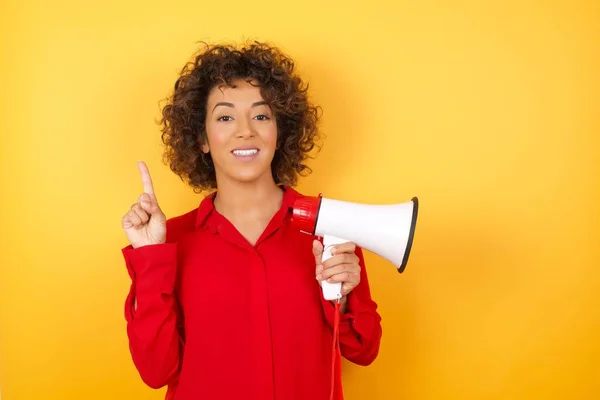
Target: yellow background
x,y
488,111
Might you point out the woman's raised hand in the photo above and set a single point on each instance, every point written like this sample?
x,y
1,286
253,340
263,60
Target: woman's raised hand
x,y
145,223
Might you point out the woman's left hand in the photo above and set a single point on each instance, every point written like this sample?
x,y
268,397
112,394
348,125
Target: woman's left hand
x,y
343,267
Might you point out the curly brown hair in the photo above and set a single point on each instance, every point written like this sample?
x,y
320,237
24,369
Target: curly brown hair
x,y
183,118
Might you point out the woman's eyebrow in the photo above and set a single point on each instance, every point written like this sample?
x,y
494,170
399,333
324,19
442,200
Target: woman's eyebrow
x,y
226,104
222,103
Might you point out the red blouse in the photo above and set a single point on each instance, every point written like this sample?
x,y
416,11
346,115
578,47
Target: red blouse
x,y
218,318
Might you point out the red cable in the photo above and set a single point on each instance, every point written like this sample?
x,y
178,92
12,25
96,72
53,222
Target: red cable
x,y
336,351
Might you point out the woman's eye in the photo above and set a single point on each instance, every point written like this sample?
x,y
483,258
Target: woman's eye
x,y
262,117
224,118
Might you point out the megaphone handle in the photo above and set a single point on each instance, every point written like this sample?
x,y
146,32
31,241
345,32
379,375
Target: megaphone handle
x,y
331,291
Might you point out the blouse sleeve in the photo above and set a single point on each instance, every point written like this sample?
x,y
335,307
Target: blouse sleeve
x,y
151,312
360,325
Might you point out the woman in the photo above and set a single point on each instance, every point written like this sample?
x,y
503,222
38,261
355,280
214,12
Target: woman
x,y
225,301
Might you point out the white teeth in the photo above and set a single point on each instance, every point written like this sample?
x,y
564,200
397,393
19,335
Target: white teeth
x,y
249,152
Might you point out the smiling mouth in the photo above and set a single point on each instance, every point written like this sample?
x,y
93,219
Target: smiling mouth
x,y
247,152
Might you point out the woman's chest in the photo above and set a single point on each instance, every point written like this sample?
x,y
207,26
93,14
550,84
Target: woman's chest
x,y
217,276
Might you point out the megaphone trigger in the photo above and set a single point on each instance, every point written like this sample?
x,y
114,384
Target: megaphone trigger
x,y
331,291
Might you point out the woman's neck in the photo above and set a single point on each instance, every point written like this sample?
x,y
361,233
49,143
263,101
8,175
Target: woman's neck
x,y
259,199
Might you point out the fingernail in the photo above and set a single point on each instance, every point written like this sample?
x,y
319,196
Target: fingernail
x,y
319,277
319,269
333,250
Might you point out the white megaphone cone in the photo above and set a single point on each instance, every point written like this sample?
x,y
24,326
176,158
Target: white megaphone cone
x,y
386,230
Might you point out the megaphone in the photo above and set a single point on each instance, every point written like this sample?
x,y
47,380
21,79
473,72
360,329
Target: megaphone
x,y
386,230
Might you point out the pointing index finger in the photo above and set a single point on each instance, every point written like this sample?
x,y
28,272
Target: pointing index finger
x,y
146,180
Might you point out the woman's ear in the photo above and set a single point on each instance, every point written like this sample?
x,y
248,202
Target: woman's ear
x,y
203,140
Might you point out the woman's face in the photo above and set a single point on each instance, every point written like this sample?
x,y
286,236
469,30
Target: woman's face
x,y
241,132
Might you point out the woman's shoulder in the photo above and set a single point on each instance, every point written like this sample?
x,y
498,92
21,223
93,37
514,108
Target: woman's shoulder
x,y
186,222
180,224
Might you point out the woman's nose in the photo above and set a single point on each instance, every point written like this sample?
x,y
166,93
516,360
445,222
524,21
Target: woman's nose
x,y
245,129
